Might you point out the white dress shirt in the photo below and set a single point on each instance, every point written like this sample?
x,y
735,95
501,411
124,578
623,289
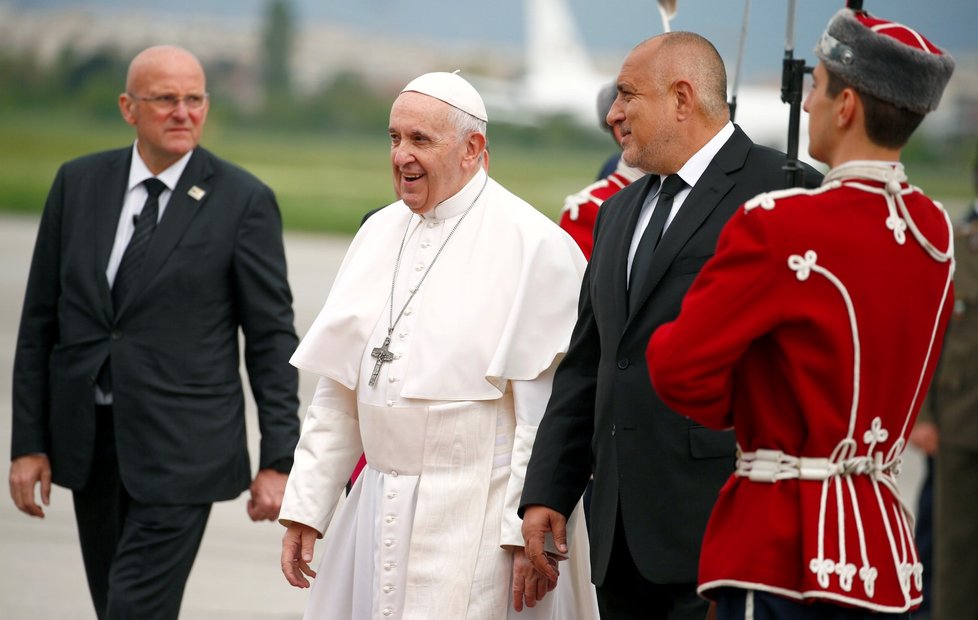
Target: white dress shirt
x,y
691,172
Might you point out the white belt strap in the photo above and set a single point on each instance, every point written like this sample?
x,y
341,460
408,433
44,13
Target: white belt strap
x,y
773,465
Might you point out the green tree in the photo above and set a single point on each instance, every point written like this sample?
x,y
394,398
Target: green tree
x,y
277,44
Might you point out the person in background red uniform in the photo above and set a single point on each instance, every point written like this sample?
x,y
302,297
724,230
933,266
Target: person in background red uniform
x,y
825,311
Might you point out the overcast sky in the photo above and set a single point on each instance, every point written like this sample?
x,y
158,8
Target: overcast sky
x,y
609,27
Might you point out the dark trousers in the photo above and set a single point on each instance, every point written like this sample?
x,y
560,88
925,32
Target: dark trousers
x,y
955,532
737,604
137,556
627,595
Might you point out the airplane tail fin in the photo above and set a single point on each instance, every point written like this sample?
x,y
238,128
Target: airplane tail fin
x,y
554,43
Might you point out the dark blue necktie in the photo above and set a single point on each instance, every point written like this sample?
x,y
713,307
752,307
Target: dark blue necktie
x,y
132,260
650,238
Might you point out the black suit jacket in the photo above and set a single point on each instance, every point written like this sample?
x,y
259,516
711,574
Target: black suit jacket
x,y
662,469
214,264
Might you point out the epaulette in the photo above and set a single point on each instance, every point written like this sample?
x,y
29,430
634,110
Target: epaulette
x,y
593,193
767,199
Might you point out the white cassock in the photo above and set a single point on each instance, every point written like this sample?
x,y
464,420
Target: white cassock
x,y
448,426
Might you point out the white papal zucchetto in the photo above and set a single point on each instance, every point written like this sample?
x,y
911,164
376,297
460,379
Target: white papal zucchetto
x,y
451,88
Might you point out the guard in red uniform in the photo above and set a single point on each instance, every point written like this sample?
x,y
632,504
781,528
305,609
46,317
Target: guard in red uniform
x,y
580,210
814,332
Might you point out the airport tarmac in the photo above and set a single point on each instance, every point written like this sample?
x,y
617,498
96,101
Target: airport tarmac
x,y
236,575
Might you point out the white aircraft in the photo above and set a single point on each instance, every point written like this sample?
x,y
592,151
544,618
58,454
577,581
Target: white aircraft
x,y
560,79
764,117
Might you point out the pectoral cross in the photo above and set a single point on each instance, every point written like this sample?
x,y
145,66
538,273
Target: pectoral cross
x,y
383,354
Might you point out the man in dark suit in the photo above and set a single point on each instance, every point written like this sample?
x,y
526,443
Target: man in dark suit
x,y
126,384
656,474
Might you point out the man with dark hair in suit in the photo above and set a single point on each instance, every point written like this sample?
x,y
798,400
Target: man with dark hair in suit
x,y
126,390
656,474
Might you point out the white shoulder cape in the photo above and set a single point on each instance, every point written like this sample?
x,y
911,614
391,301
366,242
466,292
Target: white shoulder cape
x,y
498,305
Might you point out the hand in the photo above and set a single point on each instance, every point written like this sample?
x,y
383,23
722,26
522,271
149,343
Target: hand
x,y
926,437
25,472
537,522
529,585
297,546
711,613
267,491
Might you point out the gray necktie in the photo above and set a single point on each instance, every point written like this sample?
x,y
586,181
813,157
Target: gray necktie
x,y
650,238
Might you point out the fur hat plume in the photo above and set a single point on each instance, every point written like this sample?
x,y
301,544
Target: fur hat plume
x,y
885,59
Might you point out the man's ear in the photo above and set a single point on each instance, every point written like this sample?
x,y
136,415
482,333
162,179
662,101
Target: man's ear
x,y
683,94
847,104
474,146
126,104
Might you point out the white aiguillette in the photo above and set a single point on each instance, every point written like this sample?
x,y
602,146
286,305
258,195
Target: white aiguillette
x,y
196,193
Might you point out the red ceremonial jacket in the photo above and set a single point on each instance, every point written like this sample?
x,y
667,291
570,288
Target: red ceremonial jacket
x,y
814,332
581,209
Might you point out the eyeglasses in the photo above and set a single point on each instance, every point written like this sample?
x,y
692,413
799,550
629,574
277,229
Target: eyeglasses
x,y
168,103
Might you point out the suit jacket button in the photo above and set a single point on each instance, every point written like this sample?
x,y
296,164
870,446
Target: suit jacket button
x,y
623,363
116,334
612,430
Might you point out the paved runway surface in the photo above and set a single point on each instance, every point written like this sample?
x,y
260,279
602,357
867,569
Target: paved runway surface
x,y
236,576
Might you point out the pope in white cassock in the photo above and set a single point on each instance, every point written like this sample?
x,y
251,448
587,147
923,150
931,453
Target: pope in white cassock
x,y
436,351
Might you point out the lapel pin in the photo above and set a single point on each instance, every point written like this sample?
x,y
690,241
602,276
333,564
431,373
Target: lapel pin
x,y
196,193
